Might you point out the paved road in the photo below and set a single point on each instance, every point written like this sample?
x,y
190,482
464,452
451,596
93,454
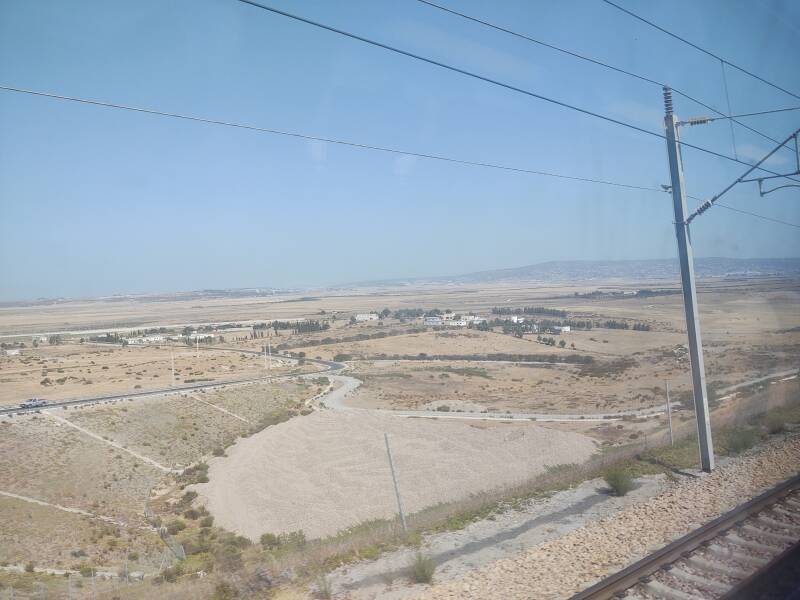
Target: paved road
x,y
335,400
328,364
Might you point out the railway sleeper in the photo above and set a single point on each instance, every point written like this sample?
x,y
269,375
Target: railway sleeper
x,y
770,522
701,582
724,554
791,514
768,535
662,590
714,566
770,549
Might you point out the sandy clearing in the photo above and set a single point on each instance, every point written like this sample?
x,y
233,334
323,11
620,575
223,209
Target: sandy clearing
x,y
328,471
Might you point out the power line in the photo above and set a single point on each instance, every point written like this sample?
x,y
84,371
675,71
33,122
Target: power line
x,y
753,114
489,80
756,215
592,61
323,139
357,145
703,50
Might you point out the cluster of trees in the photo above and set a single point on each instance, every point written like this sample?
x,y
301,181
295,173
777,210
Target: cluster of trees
x,y
408,313
54,340
577,359
550,341
7,345
624,325
658,292
529,310
109,338
297,326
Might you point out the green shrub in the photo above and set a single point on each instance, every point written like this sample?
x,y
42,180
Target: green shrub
x,y
270,541
324,590
175,526
225,591
133,556
619,481
422,569
218,451
29,567
206,521
775,423
739,440
192,514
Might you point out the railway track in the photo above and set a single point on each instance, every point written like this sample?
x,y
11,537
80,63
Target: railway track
x,y
751,552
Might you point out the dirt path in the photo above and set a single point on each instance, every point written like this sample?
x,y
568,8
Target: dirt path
x,y
219,408
111,443
76,511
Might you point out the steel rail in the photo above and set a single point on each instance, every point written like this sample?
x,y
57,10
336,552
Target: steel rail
x,y
628,577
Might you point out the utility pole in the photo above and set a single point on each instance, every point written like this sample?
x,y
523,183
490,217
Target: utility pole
x,y
669,416
396,489
172,356
269,349
689,290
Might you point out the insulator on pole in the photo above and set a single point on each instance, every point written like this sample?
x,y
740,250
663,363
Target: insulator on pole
x,y
668,100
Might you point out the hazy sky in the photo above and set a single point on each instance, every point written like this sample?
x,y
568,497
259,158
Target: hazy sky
x,y
97,201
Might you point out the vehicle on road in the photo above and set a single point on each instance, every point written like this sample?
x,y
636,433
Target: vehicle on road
x,y
33,403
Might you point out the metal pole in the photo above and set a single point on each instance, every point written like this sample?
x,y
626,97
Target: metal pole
x,y
269,349
396,489
172,356
689,290
669,417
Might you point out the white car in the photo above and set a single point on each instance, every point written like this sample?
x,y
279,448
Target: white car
x,y
33,403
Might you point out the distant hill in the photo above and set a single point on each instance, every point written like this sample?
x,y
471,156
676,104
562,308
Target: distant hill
x,y
638,270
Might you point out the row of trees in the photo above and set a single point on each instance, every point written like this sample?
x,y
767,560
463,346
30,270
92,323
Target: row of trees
x,y
529,310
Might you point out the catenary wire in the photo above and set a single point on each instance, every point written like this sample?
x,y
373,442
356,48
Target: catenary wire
x,y
701,49
321,139
753,114
599,63
354,144
491,81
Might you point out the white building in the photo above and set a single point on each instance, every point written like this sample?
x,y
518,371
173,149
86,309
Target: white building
x,y
361,317
517,319
11,352
457,323
564,329
147,339
433,321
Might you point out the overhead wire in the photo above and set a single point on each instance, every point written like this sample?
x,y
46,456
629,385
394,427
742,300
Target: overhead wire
x,y
489,80
357,145
317,138
701,49
600,64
